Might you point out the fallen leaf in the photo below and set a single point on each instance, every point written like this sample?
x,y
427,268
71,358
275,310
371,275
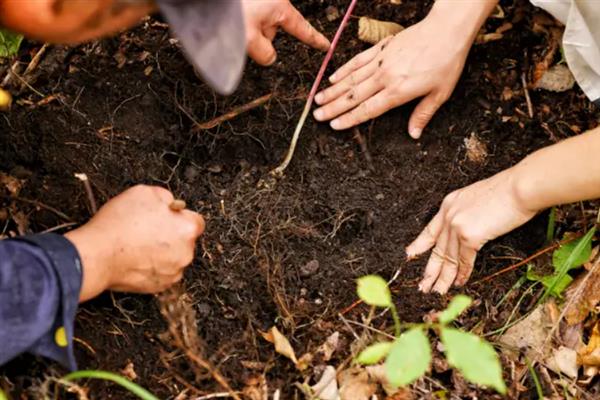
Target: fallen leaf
x,y
282,345
332,13
529,335
327,388
12,184
329,346
589,356
484,38
129,372
379,375
373,31
355,384
564,360
582,297
256,388
556,79
476,149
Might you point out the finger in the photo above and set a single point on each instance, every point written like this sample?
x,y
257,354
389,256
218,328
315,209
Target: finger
x,y
449,266
434,265
343,86
358,61
296,25
427,237
197,220
260,49
422,114
163,194
466,263
354,98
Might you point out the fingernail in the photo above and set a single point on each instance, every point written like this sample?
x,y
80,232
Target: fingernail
x,y
319,98
273,59
318,114
333,78
415,133
336,124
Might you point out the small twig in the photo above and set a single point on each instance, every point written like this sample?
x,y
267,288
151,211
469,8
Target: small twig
x,y
527,98
45,207
214,396
233,113
313,91
528,259
59,227
35,61
362,142
88,190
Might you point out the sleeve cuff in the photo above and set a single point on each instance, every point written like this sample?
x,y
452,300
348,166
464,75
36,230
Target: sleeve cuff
x,y
58,342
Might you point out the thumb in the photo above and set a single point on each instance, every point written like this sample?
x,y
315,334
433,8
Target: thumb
x,y
260,49
422,114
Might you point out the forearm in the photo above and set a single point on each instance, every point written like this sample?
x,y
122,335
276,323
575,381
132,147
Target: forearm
x,y
566,172
463,17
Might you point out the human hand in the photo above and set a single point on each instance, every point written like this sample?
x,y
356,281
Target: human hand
x,y
136,243
425,60
263,18
467,219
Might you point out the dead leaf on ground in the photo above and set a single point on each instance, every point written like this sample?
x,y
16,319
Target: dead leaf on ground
x,y
256,388
556,79
582,297
332,13
329,346
129,372
12,184
282,345
564,360
373,31
589,356
355,384
476,149
377,374
327,387
529,335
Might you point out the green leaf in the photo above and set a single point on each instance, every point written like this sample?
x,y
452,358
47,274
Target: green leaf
x,y
475,358
9,43
551,225
2,395
568,259
455,308
562,254
548,281
409,358
112,377
374,291
374,353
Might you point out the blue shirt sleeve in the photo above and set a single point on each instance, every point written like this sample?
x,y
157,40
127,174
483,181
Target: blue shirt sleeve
x,y
40,280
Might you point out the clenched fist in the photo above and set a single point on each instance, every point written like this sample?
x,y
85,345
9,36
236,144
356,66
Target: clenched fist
x,y
136,243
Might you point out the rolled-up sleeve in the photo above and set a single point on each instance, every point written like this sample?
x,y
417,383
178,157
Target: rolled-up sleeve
x,y
40,280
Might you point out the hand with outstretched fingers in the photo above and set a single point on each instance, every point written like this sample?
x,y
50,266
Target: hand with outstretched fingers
x,y
423,61
468,218
137,242
264,17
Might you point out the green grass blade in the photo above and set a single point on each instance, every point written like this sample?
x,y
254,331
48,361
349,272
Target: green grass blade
x,y
536,380
112,377
551,226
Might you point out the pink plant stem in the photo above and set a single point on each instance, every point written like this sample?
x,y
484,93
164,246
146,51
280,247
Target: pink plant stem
x,y
313,91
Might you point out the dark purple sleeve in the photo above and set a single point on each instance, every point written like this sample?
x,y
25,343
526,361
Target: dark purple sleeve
x,y
40,280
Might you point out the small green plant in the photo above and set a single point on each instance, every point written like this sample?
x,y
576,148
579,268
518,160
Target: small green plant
x,y
109,376
9,43
2,395
408,357
567,257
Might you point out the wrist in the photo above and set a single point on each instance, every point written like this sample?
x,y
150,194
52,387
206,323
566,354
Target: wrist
x,y
95,263
524,189
462,20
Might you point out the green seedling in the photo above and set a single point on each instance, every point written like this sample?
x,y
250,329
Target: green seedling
x,y
9,43
567,257
408,357
109,376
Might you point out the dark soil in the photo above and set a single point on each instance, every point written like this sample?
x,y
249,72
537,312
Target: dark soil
x,y
122,127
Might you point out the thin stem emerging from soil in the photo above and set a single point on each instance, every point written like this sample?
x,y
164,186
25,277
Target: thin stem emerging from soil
x,y
313,91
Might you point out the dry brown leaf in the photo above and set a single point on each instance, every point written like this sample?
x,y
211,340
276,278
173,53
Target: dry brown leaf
x,y
329,346
556,79
378,374
332,13
484,38
373,31
564,360
12,184
356,385
282,345
476,149
529,335
327,387
256,388
401,394
129,372
589,356
582,300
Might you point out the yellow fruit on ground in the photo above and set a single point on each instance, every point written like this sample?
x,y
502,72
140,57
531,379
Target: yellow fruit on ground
x,y
5,100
